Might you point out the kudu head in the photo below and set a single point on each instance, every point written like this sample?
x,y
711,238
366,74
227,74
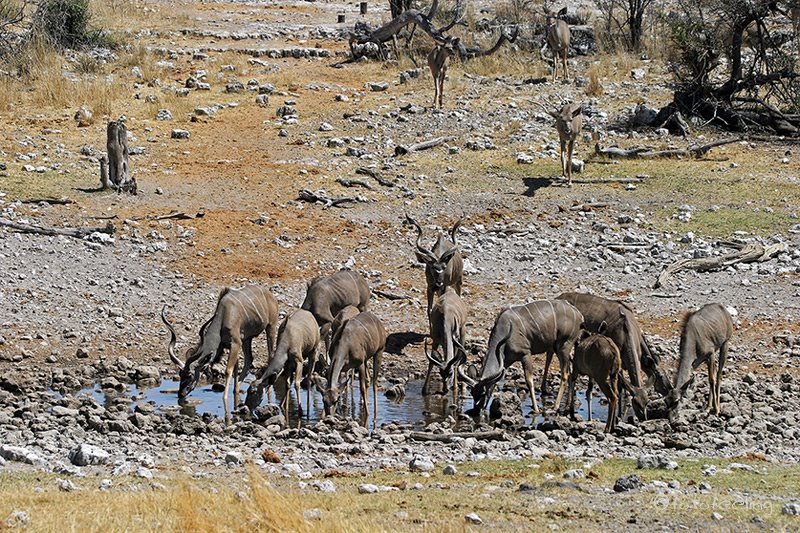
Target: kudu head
x,y
191,369
330,394
568,119
551,17
639,398
446,368
482,387
435,259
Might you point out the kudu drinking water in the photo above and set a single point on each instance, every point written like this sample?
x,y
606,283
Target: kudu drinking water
x,y
298,340
623,328
542,326
557,39
438,58
705,331
360,339
447,319
443,264
598,357
240,315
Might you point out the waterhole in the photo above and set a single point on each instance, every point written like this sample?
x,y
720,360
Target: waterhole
x,y
413,409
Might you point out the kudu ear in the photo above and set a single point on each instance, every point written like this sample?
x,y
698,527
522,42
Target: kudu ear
x,y
577,110
320,382
602,328
563,11
343,382
423,258
448,255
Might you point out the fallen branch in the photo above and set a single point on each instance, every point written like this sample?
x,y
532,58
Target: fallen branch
x,y
328,201
353,183
448,437
78,233
607,180
403,150
746,253
49,200
390,295
647,152
377,177
179,215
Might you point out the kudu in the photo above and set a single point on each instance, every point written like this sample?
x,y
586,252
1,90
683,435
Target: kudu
x,y
298,339
443,264
557,39
341,317
705,331
327,295
623,328
240,315
360,339
568,125
598,357
438,60
447,319
542,326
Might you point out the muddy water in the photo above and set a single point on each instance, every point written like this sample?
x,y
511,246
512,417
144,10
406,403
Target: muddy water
x,y
413,409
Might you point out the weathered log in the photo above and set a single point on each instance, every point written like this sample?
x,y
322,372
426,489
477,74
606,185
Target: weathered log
x,y
328,201
647,152
117,147
353,183
746,253
607,180
48,200
390,295
179,215
448,437
78,233
425,145
105,182
376,176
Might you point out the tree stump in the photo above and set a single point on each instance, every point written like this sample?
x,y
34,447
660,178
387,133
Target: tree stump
x,y
118,171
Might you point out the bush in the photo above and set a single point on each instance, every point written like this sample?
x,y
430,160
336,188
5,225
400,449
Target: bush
x,y
67,24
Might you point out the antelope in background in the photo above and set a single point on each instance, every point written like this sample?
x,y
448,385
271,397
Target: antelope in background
x,y
327,295
240,315
705,331
447,319
568,125
443,264
557,39
438,58
542,326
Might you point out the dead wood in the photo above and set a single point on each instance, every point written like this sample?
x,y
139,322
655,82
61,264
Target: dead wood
x,y
745,253
118,169
390,295
607,180
48,200
179,215
449,437
78,233
647,152
353,183
376,176
328,201
425,145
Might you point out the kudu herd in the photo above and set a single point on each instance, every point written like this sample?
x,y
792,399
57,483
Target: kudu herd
x,y
591,336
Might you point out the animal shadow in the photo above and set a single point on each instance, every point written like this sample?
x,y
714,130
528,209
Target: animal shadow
x,y
534,184
396,342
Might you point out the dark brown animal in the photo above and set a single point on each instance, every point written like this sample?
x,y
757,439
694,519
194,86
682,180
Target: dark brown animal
x,y
327,295
557,39
240,315
705,331
447,319
438,60
568,125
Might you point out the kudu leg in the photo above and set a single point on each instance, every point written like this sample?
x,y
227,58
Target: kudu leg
x,y
564,64
233,358
312,361
376,363
723,356
527,367
589,388
362,383
564,360
570,146
247,350
427,379
610,390
563,159
548,359
571,396
712,382
298,377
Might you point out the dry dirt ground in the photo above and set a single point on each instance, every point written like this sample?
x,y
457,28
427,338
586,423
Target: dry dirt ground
x,y
243,165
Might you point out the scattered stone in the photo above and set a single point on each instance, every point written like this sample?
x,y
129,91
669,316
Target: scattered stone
x,y
716,516
626,483
376,86
312,514
524,159
164,114
180,134
234,87
473,518
66,485
450,470
234,458
791,509
18,519
84,117
87,454
574,474
421,464
656,461
324,486
22,455
262,100
325,127
106,485
367,488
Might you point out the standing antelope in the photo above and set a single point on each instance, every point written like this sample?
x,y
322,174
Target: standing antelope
x,y
443,264
438,58
598,357
240,315
298,339
447,319
705,331
568,125
360,339
542,326
557,39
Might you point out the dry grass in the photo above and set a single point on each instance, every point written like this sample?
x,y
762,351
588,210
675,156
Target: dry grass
x,y
506,62
615,66
594,87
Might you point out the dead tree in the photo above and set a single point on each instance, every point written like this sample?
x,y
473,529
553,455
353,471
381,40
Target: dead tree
x,y
115,171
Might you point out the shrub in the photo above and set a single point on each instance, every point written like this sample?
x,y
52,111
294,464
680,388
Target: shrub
x,y
67,24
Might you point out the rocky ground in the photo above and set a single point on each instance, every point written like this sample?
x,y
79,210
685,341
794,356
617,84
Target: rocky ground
x,y
275,118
